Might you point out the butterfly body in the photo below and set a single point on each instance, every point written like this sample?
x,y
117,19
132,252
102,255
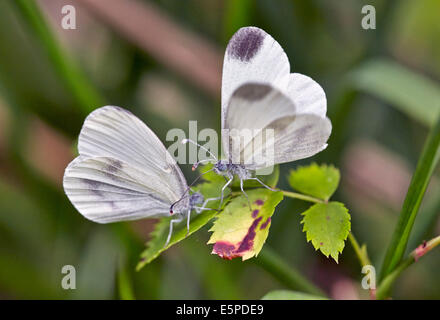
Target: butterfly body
x,y
231,170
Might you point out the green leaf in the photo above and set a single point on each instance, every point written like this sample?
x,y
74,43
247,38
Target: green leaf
x,y
419,182
290,295
158,237
327,225
241,232
314,180
413,94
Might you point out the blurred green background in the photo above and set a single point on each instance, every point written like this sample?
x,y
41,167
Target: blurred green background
x,y
162,60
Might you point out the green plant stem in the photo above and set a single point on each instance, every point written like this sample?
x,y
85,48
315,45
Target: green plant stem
x,y
78,84
124,283
288,276
361,252
301,196
386,284
419,182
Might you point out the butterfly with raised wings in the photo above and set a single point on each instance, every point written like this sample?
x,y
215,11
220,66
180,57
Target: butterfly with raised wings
x,y
259,94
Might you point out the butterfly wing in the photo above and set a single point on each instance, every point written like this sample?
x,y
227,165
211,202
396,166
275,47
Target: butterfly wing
x,y
307,95
123,172
108,190
252,55
253,109
116,133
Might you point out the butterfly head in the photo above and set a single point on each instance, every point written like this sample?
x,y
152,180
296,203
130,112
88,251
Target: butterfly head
x,y
221,167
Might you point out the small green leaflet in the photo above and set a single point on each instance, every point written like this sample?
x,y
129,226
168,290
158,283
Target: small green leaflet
x,y
241,232
158,237
290,295
314,180
327,225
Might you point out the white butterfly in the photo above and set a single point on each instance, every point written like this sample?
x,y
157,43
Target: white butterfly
x,y
260,93
123,172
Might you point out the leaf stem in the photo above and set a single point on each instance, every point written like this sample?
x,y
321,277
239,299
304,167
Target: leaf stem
x,y
361,252
385,285
301,196
286,274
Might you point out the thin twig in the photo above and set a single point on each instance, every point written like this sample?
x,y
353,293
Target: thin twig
x,y
386,284
301,196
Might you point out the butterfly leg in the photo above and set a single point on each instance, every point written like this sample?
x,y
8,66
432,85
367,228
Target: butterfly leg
x,y
242,190
187,222
223,190
261,182
200,209
171,229
203,207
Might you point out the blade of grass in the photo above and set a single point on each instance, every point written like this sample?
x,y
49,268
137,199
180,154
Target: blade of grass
x,y
419,182
411,93
125,288
83,91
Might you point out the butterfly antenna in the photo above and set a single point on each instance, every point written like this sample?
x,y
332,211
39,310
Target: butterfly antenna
x,y
195,165
187,189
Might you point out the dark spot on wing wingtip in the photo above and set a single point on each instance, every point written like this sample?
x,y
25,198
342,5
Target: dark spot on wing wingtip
x,y
253,91
259,202
255,213
246,43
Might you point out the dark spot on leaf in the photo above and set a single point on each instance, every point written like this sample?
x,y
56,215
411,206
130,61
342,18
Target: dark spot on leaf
x,y
259,202
224,250
255,213
327,218
245,43
265,224
248,241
